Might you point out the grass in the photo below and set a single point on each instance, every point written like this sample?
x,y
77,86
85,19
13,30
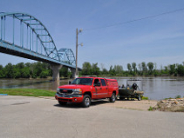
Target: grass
x,y
27,92
145,98
178,96
142,98
151,108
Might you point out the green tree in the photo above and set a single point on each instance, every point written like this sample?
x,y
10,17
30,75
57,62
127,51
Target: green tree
x,y
140,69
2,75
180,70
63,72
129,67
16,72
28,64
112,72
144,68
172,69
150,66
105,71
166,70
44,74
36,69
86,68
134,68
1,67
95,70
25,72
20,65
9,71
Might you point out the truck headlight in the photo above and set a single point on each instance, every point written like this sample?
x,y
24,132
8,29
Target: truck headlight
x,y
77,91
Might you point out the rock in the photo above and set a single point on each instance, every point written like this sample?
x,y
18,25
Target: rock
x,y
162,101
172,105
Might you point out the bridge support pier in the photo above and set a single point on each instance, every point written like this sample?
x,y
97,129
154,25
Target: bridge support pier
x,y
55,72
73,73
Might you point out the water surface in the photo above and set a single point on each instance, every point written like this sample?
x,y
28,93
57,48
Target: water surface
x,y
155,88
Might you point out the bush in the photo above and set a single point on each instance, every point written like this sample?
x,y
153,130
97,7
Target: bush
x,y
178,96
44,74
151,108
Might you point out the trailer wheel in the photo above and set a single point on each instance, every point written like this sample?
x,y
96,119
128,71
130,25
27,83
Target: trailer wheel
x,y
86,101
122,98
113,98
139,98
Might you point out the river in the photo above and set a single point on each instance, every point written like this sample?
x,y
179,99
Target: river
x,y
155,88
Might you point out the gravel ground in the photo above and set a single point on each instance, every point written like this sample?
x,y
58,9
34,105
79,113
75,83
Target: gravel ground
x,y
28,117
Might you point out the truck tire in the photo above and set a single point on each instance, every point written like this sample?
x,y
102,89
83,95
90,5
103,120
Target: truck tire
x,y
62,103
112,99
86,101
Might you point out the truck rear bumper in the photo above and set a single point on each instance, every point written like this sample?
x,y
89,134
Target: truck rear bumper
x,y
73,99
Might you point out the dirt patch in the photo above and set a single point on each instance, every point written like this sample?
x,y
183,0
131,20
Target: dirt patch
x,y
133,104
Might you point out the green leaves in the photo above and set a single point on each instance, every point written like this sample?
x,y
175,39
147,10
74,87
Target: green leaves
x,y
88,69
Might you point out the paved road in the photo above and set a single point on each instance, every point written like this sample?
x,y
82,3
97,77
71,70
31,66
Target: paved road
x,y
29,117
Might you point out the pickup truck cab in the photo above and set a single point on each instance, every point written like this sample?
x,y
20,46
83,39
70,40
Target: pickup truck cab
x,y
84,89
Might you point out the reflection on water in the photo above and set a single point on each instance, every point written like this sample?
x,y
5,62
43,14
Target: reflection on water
x,y
31,83
155,88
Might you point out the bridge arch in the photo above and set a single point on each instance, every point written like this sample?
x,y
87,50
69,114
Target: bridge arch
x,y
67,55
34,37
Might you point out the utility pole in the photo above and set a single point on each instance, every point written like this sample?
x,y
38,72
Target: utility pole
x,y
77,33
76,73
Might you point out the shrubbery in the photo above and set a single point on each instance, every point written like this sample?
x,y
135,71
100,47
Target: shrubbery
x,y
142,69
30,70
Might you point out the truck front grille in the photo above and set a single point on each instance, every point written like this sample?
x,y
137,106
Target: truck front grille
x,y
66,91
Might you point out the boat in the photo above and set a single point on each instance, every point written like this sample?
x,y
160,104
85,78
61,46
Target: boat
x,y
133,89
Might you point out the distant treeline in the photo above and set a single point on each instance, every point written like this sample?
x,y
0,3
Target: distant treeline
x,y
30,70
142,69
43,70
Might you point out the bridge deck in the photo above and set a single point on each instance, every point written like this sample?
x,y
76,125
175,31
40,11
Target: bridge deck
x,y
9,48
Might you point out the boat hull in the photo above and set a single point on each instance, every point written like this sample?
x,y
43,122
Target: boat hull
x,y
130,93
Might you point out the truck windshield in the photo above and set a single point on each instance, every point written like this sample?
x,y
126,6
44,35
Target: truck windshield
x,y
82,81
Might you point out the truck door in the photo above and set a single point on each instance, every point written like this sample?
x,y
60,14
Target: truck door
x,y
98,89
104,88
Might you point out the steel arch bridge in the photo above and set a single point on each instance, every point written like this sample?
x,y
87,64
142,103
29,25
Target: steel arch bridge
x,y
24,35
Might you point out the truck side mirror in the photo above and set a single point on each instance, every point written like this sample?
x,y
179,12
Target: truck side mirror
x,y
69,82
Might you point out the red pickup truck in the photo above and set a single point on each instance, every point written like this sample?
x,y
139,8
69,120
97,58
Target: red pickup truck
x,y
84,89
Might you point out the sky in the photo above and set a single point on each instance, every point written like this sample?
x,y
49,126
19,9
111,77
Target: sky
x,y
108,37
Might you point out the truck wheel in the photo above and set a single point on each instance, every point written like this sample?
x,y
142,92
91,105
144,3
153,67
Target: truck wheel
x,y
62,103
86,101
113,98
139,98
